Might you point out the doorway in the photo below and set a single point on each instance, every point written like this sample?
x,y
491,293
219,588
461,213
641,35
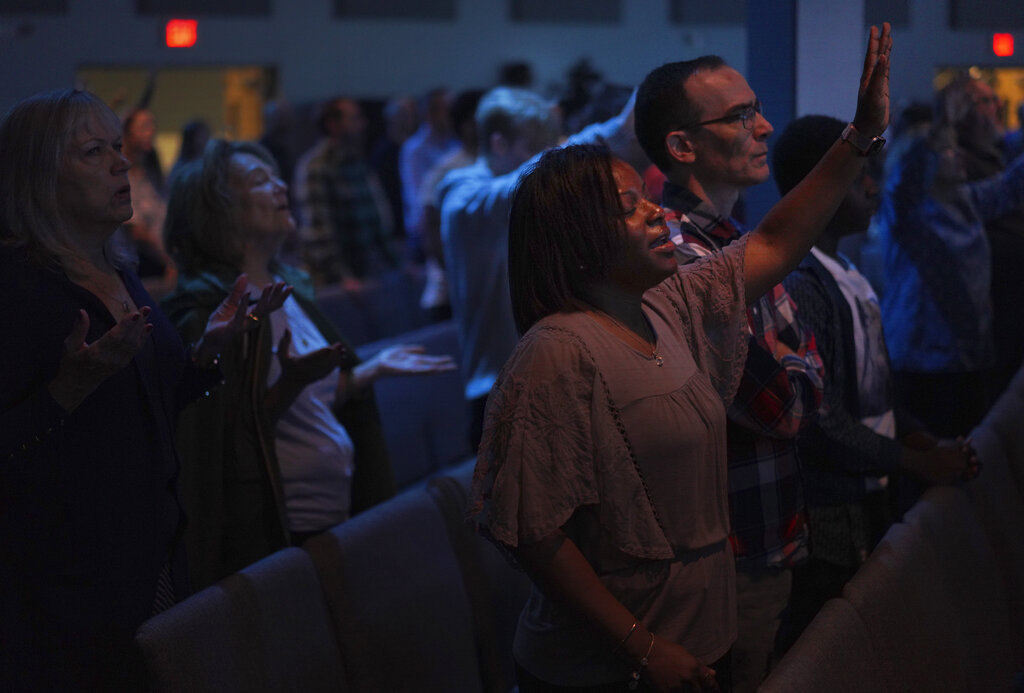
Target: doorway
x,y
229,98
1007,82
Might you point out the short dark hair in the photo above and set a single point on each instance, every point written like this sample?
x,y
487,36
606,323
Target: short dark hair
x,y
662,105
463,107
328,109
800,147
565,228
200,229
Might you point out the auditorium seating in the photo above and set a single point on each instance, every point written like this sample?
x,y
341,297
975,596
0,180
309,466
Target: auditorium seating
x,y
834,654
939,605
405,597
386,307
265,628
425,418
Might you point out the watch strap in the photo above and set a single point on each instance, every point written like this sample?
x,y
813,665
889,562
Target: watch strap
x,y
865,145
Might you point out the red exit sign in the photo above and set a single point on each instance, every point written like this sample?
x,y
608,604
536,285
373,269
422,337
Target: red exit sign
x,y
1002,45
181,33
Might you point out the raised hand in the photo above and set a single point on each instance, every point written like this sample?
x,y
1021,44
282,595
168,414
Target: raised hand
x,y
83,367
308,368
409,359
271,298
872,116
405,359
297,372
230,319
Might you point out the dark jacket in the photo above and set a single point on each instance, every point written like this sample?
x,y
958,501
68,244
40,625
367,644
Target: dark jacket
x,y
838,452
230,479
89,512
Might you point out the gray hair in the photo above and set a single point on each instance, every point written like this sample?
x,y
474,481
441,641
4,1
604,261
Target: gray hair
x,y
515,113
201,230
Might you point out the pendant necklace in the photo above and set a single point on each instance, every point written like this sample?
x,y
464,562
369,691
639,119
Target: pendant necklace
x,y
635,339
122,301
117,298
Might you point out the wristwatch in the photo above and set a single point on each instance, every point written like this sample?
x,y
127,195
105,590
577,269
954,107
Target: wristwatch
x,y
865,146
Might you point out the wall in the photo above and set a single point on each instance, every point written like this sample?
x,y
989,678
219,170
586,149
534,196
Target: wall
x,y
317,55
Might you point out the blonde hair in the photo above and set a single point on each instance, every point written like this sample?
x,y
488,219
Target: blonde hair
x,y
34,135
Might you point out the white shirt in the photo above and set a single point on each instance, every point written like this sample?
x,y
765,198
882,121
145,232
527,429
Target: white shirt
x,y
314,452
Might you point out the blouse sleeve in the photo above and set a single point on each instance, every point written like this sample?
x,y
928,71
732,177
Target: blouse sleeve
x,y
708,296
551,446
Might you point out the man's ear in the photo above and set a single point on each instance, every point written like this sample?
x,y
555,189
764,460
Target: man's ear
x,y
680,146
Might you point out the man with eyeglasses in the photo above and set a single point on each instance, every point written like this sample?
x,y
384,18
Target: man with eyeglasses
x,y
702,125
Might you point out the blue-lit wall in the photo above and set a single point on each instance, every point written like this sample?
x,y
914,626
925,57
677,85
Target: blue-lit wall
x,y
318,55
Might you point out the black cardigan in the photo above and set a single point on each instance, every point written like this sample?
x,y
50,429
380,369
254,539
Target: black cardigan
x,y
89,512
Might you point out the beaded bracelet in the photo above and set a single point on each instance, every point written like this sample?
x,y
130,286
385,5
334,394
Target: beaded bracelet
x,y
634,679
193,349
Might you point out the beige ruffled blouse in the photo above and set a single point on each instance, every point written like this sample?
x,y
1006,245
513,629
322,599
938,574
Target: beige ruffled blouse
x,y
586,433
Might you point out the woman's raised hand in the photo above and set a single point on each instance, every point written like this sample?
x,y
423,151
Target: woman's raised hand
x,y
230,319
303,370
405,359
872,116
83,367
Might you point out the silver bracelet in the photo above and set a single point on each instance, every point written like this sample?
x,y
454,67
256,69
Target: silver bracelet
x,y
634,679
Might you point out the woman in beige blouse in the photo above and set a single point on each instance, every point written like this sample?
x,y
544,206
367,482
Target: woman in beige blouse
x,y
602,468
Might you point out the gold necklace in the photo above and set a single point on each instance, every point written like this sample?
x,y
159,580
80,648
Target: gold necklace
x,y
94,280
632,338
122,298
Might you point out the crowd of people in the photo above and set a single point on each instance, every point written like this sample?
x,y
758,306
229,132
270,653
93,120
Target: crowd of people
x,y
690,434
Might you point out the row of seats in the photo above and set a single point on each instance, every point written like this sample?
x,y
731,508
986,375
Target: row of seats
x,y
406,598
403,597
425,419
939,605
387,306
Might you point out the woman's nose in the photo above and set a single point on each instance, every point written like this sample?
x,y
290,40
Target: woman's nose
x,y
121,162
656,215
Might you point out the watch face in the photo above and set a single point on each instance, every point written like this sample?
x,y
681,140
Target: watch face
x,y
877,144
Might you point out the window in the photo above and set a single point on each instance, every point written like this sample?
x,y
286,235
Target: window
x,y
395,9
579,11
204,7
708,11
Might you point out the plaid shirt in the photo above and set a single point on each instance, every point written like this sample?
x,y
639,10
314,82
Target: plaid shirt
x,y
775,400
342,228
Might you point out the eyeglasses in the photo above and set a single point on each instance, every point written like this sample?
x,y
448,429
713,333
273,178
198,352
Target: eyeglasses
x,y
746,115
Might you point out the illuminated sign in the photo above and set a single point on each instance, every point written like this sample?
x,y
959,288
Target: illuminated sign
x,y
181,33
1002,45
